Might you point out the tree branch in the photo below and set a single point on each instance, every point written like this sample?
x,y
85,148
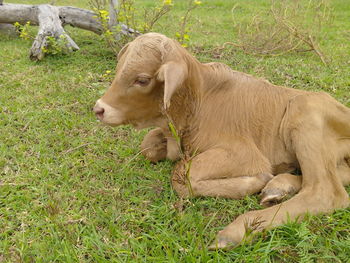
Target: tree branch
x,y
113,13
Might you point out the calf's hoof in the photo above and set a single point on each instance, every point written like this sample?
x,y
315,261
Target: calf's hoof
x,y
280,188
232,235
222,242
270,197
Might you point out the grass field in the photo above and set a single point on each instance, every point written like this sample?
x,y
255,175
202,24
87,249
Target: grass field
x,y
72,190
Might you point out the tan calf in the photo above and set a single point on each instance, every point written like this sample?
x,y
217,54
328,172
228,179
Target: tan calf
x,y
237,132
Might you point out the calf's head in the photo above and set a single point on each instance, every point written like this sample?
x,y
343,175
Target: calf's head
x,y
150,70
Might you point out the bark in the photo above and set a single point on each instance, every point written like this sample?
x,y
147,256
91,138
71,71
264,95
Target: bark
x,y
81,18
8,29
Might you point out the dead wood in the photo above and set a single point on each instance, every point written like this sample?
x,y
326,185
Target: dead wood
x,y
52,19
8,29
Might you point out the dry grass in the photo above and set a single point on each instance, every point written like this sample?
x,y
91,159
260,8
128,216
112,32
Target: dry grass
x,y
288,26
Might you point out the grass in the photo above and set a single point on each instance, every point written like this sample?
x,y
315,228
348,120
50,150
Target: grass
x,y
74,191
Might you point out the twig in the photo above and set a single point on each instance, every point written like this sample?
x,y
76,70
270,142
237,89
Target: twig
x,y
317,50
75,221
185,19
286,33
296,33
75,148
134,157
27,124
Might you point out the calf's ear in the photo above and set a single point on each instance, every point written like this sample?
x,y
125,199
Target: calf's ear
x,y
173,74
122,51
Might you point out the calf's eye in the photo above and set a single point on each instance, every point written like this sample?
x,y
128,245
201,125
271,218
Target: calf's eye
x,y
142,81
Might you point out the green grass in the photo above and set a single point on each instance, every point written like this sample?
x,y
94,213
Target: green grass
x,y
72,190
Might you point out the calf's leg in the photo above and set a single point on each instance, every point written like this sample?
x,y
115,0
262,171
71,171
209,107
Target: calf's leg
x,y
156,146
222,173
322,190
284,186
343,172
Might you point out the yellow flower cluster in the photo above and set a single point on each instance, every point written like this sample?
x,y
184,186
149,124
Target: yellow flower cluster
x,y
167,2
23,30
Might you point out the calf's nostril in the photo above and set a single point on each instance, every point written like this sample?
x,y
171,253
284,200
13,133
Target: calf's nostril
x,y
99,112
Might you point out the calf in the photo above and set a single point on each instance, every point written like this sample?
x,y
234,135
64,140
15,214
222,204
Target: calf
x,y
239,135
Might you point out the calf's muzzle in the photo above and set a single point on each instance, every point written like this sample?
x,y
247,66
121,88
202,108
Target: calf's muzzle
x,y
99,111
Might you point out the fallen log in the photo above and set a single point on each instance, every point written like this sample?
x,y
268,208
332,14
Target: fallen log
x,y
8,29
52,19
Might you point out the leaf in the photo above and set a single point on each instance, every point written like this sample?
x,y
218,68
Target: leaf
x,y
174,133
